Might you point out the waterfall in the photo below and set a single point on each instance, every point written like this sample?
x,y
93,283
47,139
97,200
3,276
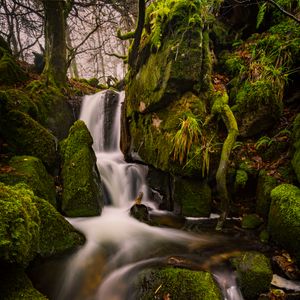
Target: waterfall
x,y
117,246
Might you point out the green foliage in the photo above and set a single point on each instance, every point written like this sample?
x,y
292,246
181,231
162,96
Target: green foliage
x,y
263,142
251,221
188,134
261,14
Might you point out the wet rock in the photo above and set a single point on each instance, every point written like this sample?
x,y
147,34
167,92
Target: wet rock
x,y
140,212
82,191
254,273
284,218
167,219
176,283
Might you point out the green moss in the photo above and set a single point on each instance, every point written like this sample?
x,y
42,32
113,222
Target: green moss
x,y
10,72
15,285
82,194
177,283
265,185
254,273
284,218
19,224
31,171
251,221
25,136
296,139
193,196
56,234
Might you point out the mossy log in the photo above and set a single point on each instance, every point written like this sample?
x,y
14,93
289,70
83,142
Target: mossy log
x,y
222,108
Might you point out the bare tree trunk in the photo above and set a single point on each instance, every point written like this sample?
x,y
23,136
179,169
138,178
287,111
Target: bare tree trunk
x,y
73,65
55,41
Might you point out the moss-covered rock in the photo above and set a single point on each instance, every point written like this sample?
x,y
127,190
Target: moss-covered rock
x,y
56,235
265,185
30,170
193,196
30,226
19,225
251,221
10,72
296,138
82,191
54,112
15,285
254,273
25,136
176,284
284,218
241,179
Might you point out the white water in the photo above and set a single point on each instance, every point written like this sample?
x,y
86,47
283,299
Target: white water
x,y
116,243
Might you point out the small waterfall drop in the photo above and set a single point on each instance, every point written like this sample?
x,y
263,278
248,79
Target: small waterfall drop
x,y
117,246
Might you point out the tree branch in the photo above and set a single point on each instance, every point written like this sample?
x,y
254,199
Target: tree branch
x,y
284,11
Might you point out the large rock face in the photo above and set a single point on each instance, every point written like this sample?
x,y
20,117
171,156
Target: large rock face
x,y
167,85
82,191
284,218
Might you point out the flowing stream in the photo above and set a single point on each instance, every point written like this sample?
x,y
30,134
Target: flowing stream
x,y
118,246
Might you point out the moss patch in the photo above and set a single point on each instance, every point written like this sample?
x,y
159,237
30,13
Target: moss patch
x,y
82,192
30,170
177,283
254,273
251,221
284,218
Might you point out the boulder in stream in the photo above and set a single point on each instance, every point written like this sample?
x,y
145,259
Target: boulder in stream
x,y
254,273
82,191
177,284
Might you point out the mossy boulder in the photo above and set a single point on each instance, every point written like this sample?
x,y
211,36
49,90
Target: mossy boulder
x,y
15,285
284,218
254,273
56,234
30,170
251,221
265,185
193,196
82,191
10,72
177,284
54,111
30,226
296,138
25,136
19,225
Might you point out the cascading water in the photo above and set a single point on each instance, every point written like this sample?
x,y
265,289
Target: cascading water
x,y
118,246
